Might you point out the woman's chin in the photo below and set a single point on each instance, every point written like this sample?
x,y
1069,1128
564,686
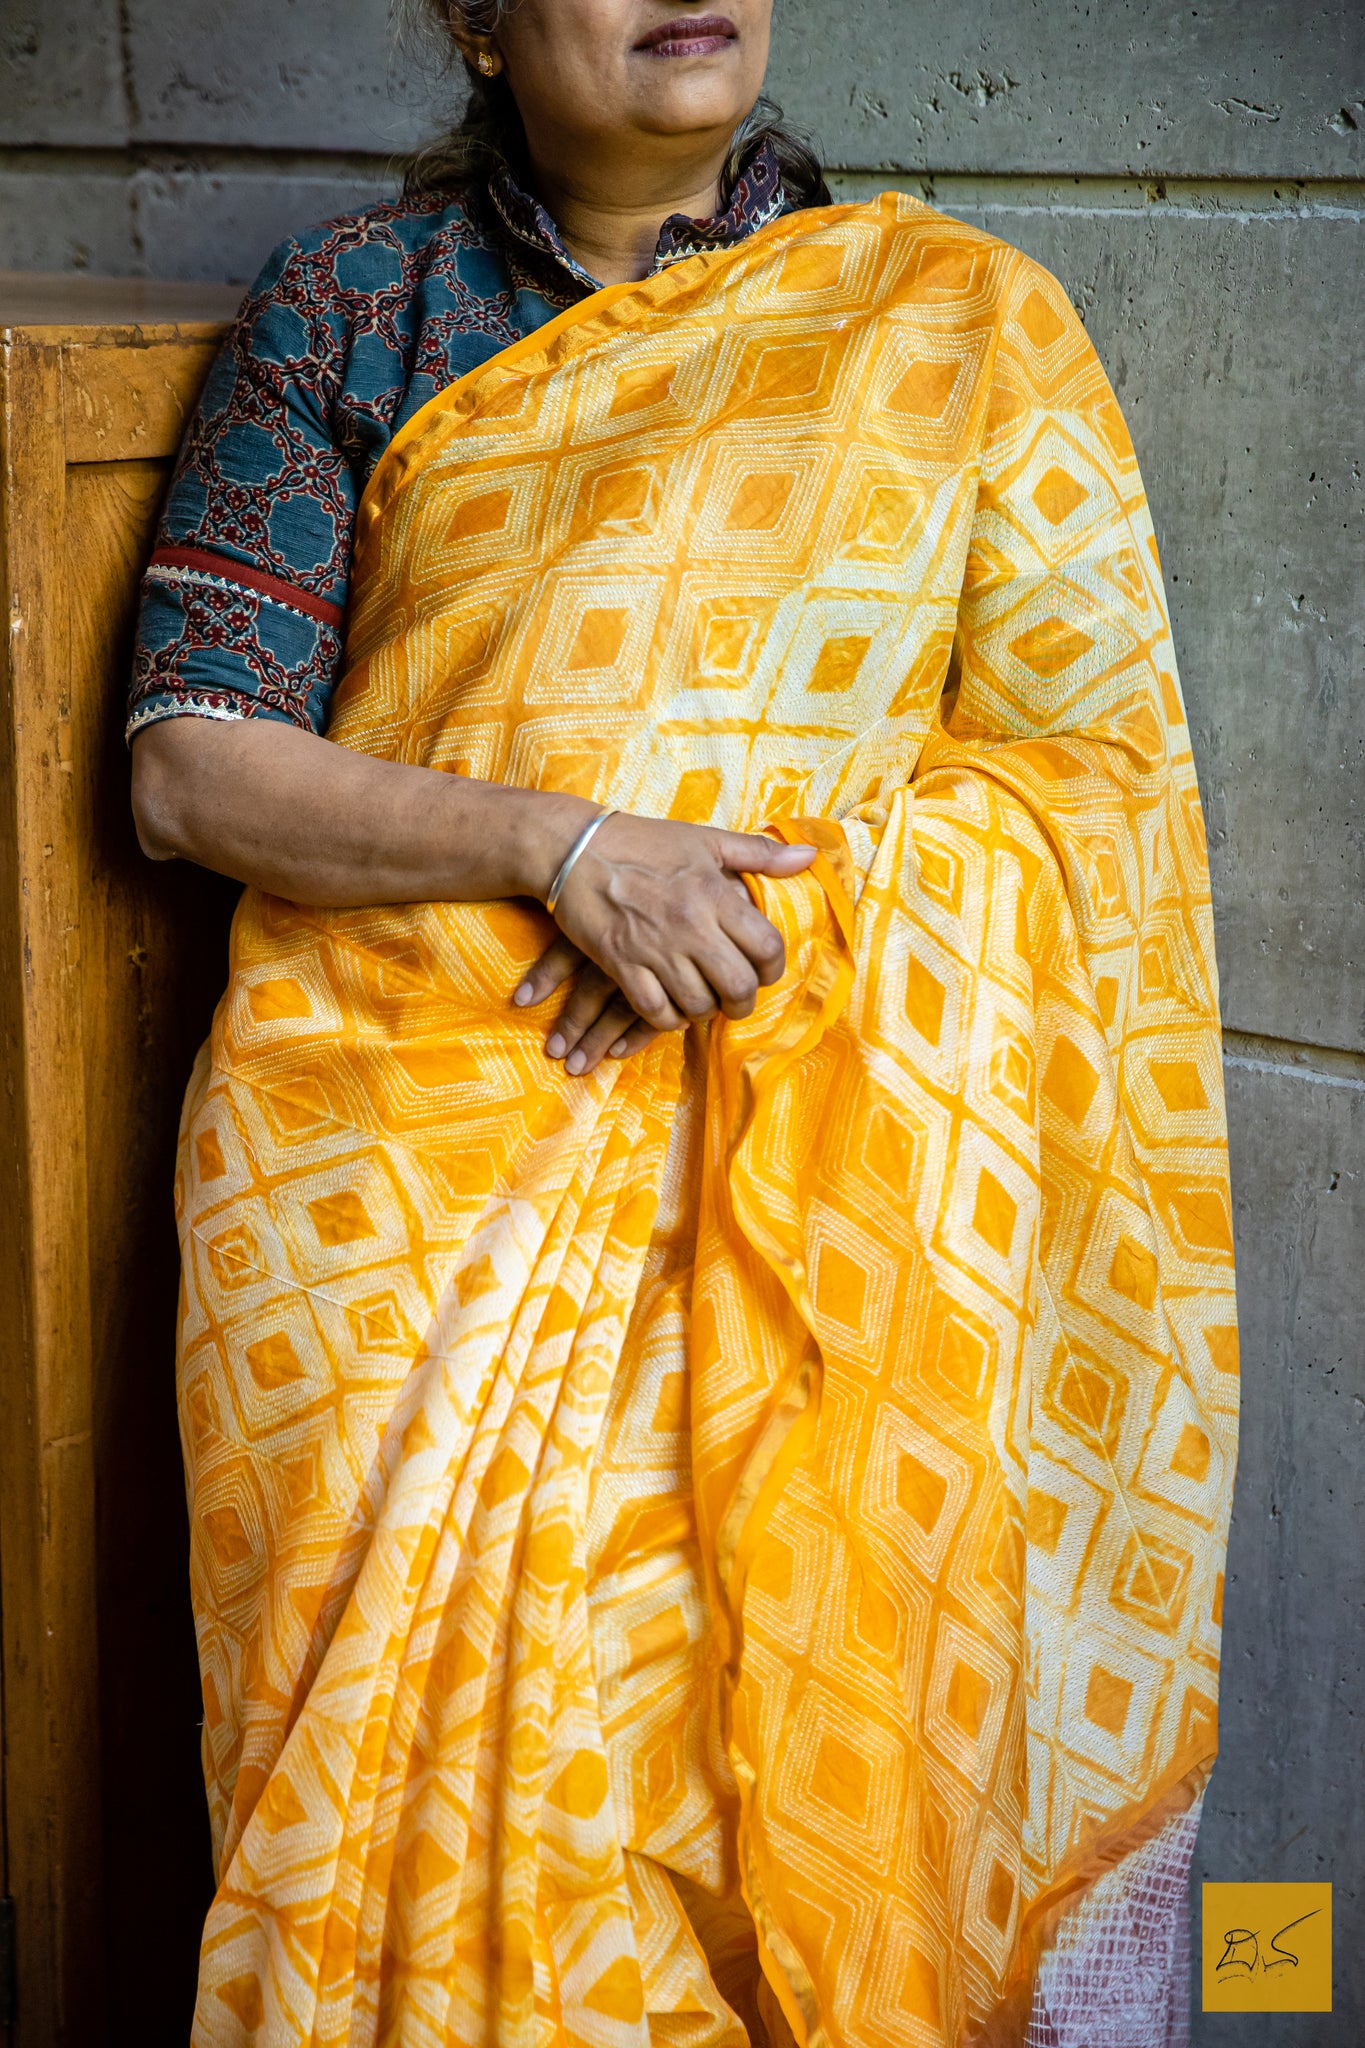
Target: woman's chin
x,y
688,100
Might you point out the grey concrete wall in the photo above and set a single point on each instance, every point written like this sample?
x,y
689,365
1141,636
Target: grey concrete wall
x,y
1195,173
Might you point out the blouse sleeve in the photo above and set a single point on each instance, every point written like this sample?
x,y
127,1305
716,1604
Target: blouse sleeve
x,y
244,598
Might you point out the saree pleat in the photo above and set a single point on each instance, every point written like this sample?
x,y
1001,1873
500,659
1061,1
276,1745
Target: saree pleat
x,y
730,1545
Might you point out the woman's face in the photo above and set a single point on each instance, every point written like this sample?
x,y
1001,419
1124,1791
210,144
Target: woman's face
x,y
593,75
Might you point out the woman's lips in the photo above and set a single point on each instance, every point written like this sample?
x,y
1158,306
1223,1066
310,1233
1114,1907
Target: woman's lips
x,y
689,36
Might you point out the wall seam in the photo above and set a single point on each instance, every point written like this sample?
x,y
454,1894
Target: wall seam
x,y
132,114
1333,1066
1051,191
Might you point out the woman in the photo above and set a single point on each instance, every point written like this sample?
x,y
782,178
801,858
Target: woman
x,y
707,1491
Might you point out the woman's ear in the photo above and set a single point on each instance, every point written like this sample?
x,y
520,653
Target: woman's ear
x,y
480,52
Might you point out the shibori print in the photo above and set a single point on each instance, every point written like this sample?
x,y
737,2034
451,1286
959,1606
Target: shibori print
x,y
740,1532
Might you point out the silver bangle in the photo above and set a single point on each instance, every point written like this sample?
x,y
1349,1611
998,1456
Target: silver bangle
x,y
566,869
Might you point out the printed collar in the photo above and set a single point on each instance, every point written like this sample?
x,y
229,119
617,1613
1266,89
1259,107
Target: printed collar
x,y
757,198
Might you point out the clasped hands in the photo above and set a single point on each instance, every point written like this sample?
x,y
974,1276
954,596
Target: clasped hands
x,y
657,931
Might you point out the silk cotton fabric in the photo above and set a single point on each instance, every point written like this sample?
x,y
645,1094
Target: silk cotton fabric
x,y
731,1543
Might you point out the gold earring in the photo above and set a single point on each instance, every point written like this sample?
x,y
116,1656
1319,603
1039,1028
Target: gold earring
x,y
485,63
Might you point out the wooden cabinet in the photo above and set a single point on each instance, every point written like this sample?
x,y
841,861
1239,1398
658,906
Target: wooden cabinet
x,y
109,970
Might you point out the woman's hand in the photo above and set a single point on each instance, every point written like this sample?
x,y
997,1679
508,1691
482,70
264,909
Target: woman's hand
x,y
596,1021
661,932
653,918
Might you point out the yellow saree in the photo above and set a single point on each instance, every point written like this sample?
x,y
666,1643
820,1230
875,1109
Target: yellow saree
x,y
735,1537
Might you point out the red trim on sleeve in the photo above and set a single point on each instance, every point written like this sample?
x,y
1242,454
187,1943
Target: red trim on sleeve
x,y
228,571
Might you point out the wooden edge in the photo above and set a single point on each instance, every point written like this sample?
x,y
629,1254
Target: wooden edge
x,y
47,1530
135,334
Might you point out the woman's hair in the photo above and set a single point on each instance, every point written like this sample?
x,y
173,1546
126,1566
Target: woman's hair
x,y
490,130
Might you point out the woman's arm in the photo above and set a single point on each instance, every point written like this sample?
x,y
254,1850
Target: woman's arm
x,y
268,803
655,905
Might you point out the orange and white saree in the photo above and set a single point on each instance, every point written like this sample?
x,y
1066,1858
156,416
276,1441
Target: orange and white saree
x,y
732,1543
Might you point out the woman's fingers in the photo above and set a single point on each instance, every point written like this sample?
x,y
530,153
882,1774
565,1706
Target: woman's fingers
x,y
689,988
730,969
608,1031
753,853
757,937
649,999
595,1021
560,959
593,992
634,1039
740,917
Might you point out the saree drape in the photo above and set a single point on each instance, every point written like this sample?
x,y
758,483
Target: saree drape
x,y
738,1533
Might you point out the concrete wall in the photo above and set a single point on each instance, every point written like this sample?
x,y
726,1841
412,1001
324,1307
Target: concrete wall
x,y
1196,175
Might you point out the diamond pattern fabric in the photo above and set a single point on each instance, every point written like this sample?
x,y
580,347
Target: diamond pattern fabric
x,y
729,1546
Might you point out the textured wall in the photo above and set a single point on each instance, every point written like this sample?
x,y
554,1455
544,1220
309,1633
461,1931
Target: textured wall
x,y
1196,176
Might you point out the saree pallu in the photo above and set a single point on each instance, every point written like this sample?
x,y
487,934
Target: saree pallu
x,y
732,1543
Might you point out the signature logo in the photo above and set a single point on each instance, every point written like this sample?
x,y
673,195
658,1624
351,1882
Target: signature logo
x,y
1267,1947
1242,1949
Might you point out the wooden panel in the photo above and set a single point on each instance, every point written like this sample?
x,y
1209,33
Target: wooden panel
x,y
124,403
46,1449
109,968
153,965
